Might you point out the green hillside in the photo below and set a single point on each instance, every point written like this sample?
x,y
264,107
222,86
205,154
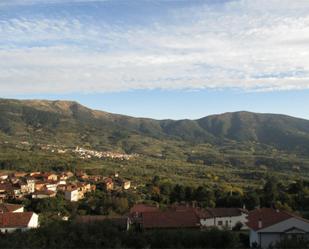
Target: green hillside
x,y
240,139
71,123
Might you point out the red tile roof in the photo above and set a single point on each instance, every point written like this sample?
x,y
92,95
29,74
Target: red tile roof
x,y
267,217
225,212
142,208
6,207
6,187
170,219
15,220
200,212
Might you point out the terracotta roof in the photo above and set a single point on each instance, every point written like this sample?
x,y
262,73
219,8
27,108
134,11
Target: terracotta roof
x,y
170,219
6,187
267,216
225,212
108,180
15,220
200,212
6,207
142,208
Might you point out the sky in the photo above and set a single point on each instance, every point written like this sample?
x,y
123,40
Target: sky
x,y
158,58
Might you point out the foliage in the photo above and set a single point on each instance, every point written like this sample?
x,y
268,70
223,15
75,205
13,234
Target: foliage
x,y
106,235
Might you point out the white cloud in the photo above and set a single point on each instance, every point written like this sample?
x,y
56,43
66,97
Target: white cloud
x,y
253,45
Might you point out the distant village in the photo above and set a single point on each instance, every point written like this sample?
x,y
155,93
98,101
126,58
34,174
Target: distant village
x,y
84,153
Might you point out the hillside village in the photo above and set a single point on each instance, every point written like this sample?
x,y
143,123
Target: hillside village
x,y
40,185
82,153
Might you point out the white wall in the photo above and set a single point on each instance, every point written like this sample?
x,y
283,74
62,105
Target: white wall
x,y
266,239
71,195
254,237
34,221
227,222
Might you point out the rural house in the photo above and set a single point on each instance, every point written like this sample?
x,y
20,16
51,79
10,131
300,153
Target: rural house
x,y
269,226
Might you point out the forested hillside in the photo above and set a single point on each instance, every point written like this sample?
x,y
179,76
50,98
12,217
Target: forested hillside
x,y
240,139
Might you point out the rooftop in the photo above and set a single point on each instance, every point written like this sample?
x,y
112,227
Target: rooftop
x,y
266,217
170,219
15,220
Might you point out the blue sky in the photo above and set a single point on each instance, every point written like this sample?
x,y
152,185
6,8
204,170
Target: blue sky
x,y
158,58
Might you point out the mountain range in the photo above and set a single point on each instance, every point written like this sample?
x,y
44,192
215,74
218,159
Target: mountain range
x,y
70,124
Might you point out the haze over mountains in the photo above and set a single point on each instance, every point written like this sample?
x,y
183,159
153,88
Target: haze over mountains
x,y
70,124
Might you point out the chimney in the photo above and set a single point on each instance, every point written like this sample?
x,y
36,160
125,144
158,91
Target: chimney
x,y
260,223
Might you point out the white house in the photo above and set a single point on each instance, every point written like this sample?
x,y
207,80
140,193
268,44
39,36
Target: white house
x,y
269,226
223,218
71,195
10,222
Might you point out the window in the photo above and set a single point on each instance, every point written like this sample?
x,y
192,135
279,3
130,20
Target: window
x,y
220,223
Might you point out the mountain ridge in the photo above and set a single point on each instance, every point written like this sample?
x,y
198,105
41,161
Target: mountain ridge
x,y
69,122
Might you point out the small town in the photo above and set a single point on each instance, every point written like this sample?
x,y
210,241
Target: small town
x,y
18,186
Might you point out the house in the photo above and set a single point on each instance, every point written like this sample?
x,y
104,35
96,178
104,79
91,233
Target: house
x,y
269,226
51,185
11,208
35,173
16,192
21,221
43,194
27,185
72,194
39,185
5,190
4,176
126,184
108,184
170,220
122,223
31,184
223,218
50,176
66,175
83,187
19,174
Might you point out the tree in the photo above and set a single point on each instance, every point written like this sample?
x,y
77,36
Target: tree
x,y
271,192
178,194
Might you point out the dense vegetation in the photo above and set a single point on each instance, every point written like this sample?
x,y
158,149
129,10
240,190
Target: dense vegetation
x,y
105,235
